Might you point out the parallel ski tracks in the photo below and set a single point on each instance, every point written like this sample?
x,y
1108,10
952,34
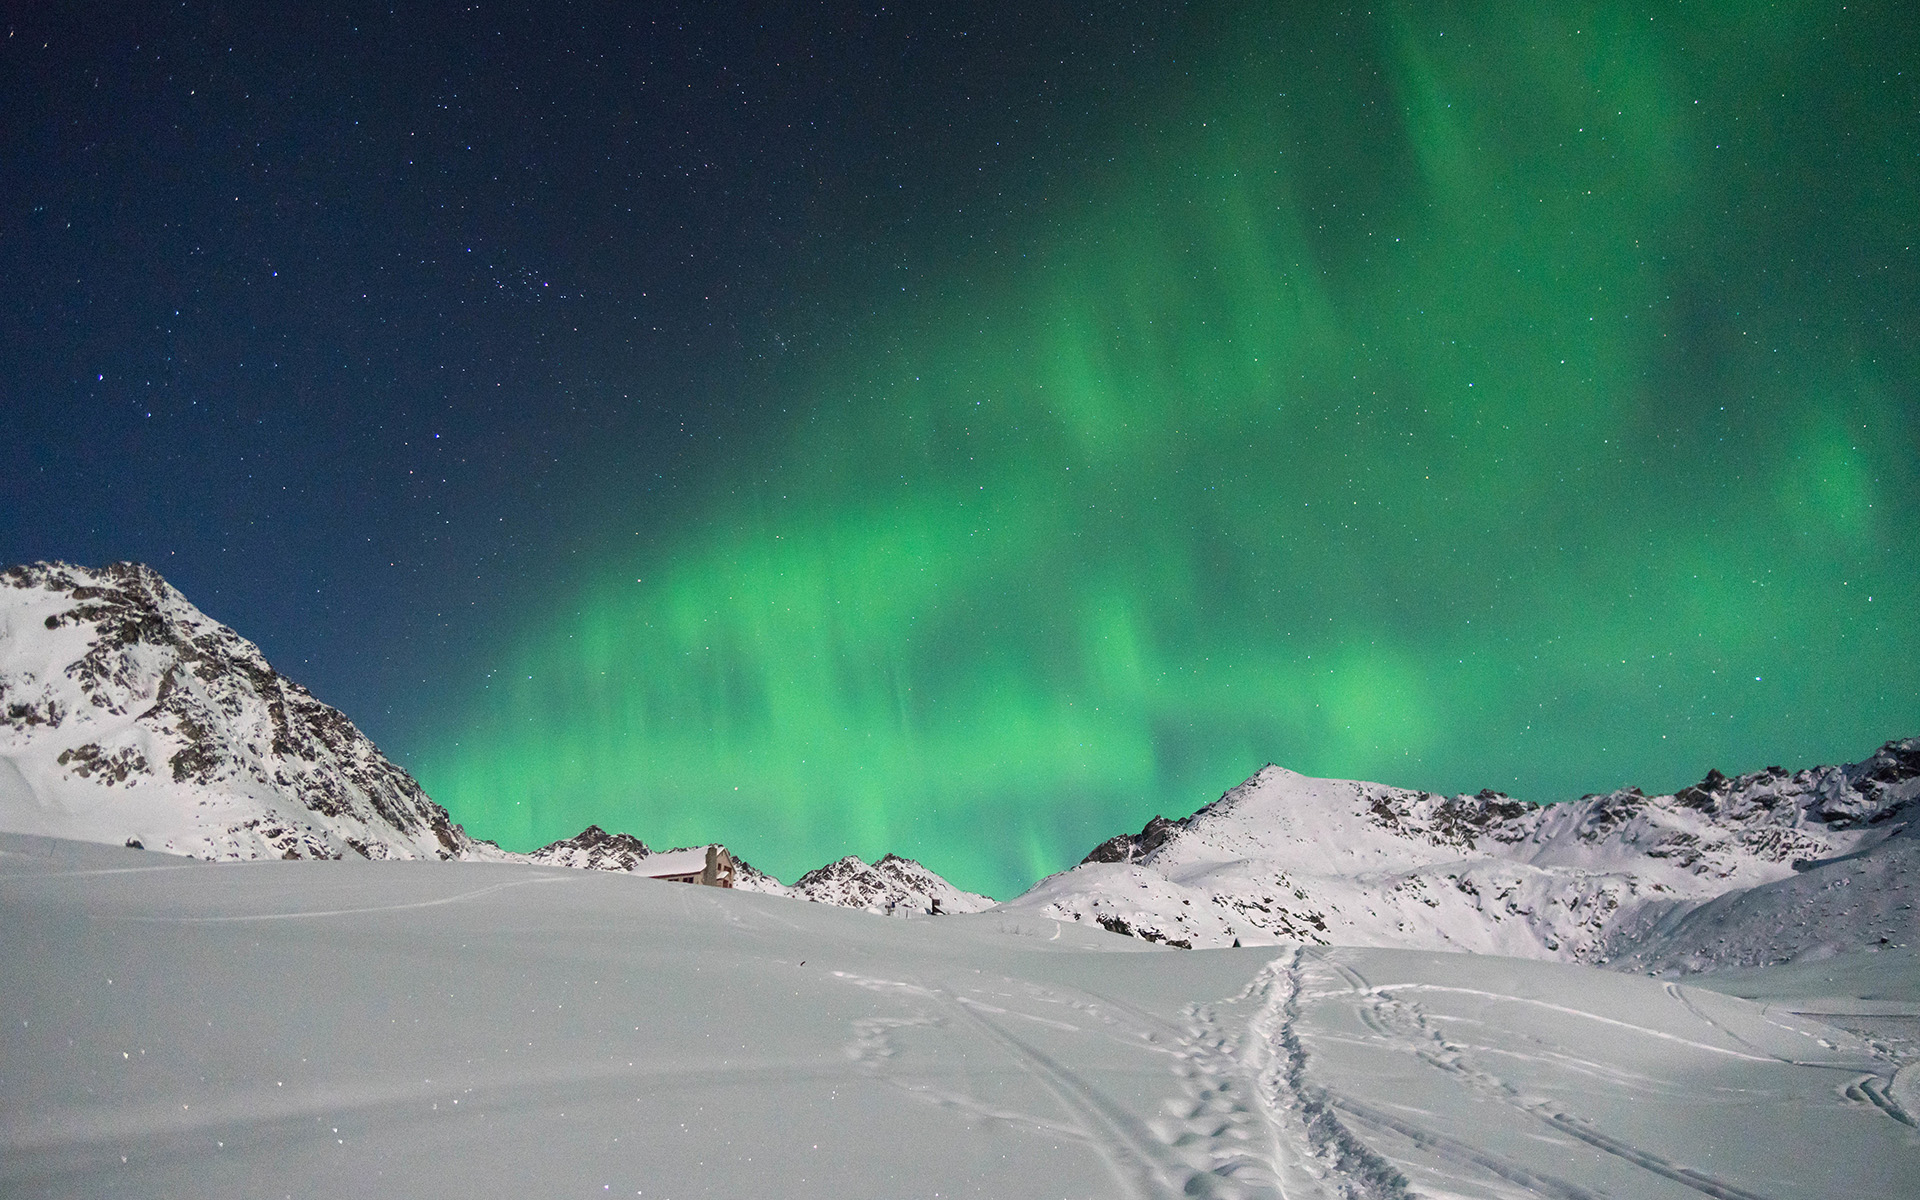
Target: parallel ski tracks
x,y
1391,1016
1256,1118
1239,1132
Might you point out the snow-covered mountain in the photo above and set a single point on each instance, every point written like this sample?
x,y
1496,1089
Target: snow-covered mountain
x,y
1866,899
129,716
594,849
892,885
1284,857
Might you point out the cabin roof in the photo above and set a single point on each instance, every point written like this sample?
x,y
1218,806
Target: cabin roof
x,y
673,862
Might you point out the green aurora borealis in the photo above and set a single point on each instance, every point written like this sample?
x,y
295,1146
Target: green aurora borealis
x,y
1488,397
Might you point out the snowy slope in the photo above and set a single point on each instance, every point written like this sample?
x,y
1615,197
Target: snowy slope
x,y
891,885
128,714
429,1029
1864,899
1285,857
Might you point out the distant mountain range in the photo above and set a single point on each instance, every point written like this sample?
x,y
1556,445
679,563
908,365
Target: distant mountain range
x,y
1744,871
128,716
892,885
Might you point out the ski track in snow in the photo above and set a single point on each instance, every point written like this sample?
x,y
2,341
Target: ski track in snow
x,y
1246,1126
1254,1119
34,875
1680,994
1568,1010
1127,1149
1871,1089
1396,1019
1249,1087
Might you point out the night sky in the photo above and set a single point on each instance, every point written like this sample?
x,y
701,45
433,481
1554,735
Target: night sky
x,y
970,430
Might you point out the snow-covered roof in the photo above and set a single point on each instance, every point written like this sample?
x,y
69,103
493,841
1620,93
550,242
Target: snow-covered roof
x,y
673,862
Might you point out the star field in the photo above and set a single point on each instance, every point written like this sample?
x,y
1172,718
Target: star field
x,y
841,430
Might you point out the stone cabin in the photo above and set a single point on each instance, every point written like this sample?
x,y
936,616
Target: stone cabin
x,y
708,865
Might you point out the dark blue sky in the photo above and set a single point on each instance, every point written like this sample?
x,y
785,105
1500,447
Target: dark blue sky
x,y
359,323
967,430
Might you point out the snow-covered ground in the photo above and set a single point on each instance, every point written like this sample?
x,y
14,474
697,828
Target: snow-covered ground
x,y
170,1027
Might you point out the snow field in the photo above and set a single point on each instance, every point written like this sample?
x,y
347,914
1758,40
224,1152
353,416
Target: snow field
x,y
171,1027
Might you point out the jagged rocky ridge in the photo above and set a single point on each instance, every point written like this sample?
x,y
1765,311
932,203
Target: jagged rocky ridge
x,y
126,715
891,884
129,716
1729,871
594,849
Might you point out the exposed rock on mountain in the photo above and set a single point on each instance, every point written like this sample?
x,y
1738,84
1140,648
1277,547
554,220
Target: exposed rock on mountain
x,y
1863,900
593,849
1285,857
748,878
892,885
1127,847
129,716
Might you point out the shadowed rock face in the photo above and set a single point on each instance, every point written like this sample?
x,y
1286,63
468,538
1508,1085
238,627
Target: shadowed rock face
x,y
126,686
1128,846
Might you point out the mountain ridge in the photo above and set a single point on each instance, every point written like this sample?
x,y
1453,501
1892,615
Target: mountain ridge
x,y
1284,857
130,717
127,716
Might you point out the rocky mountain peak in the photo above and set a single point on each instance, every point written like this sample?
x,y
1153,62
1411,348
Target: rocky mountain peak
x,y
594,849
127,713
892,885
1285,856
1127,847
